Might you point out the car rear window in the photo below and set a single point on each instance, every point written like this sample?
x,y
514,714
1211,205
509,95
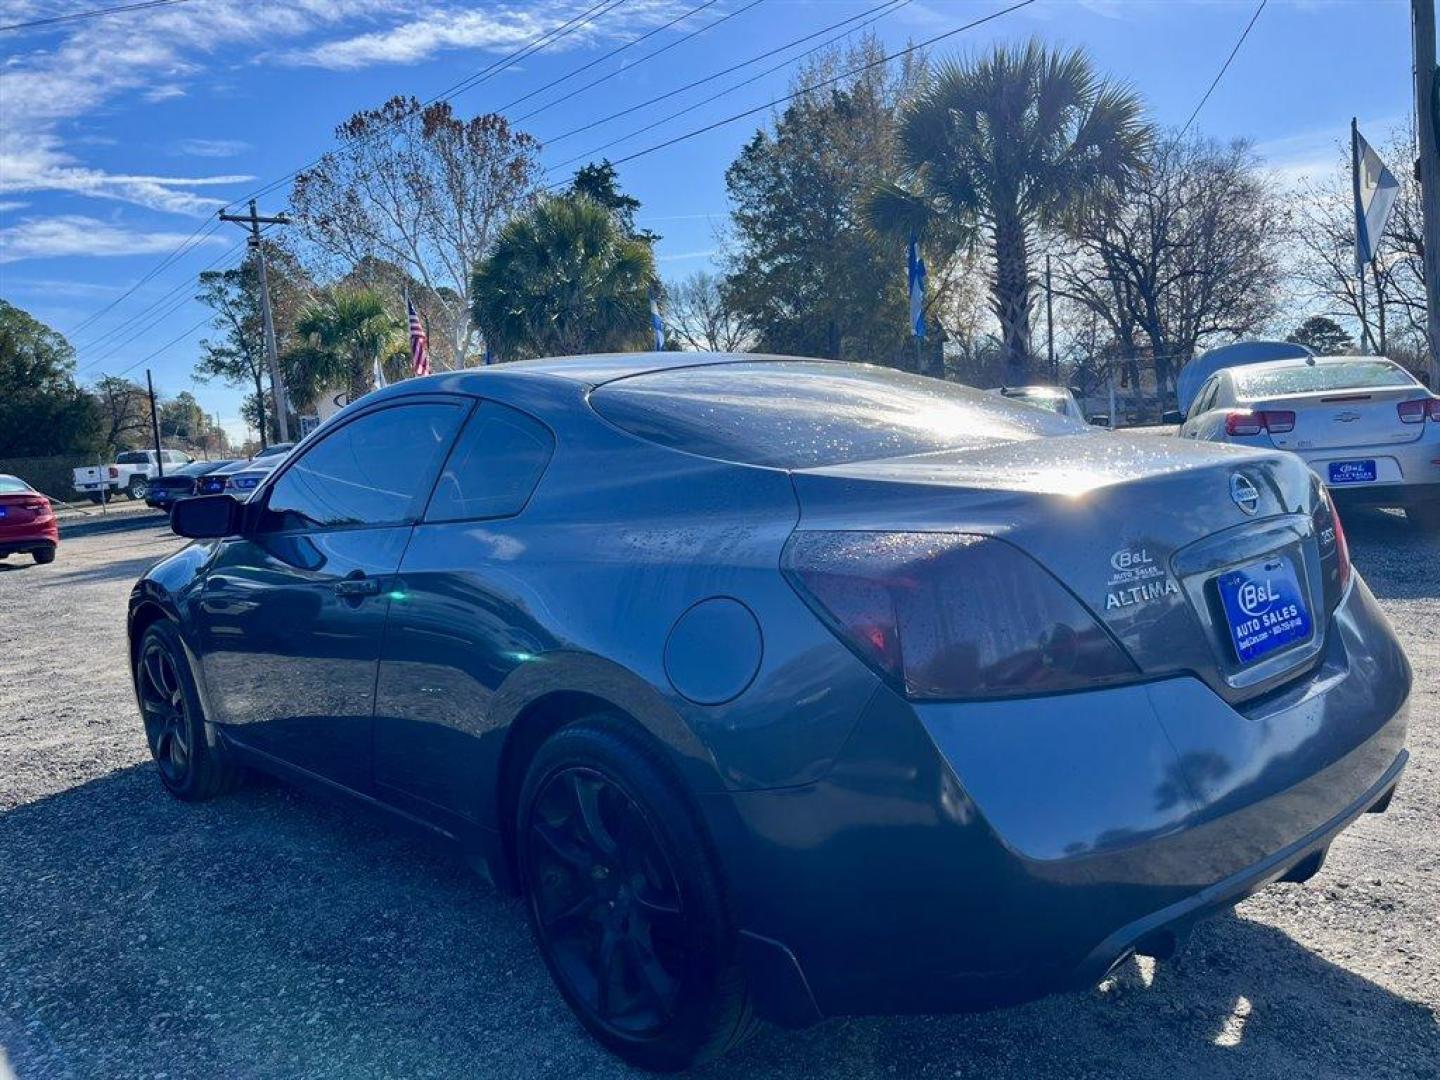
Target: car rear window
x,y
808,414
1319,378
133,457
11,486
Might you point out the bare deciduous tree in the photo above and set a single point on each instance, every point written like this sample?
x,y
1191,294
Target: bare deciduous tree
x,y
417,187
699,313
1323,236
1190,251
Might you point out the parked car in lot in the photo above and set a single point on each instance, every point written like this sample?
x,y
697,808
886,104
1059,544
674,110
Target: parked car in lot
x,y
130,473
784,688
27,521
241,477
1056,399
1363,423
162,491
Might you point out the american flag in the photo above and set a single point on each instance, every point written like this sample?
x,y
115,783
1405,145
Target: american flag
x,y
419,344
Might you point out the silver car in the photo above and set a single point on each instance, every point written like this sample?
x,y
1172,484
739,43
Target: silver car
x,y
1363,423
1056,399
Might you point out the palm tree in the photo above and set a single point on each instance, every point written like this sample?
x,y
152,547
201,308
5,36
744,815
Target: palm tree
x,y
566,278
341,336
1019,139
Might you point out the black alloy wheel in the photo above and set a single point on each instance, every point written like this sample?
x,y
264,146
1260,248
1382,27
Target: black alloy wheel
x,y
167,721
192,764
626,899
606,903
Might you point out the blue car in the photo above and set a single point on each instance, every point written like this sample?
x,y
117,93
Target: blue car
x,y
784,689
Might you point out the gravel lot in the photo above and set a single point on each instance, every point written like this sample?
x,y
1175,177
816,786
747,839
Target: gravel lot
x,y
273,935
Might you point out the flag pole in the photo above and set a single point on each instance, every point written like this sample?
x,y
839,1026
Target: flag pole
x,y
1360,239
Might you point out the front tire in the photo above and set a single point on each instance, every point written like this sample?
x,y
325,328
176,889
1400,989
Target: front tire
x,y
192,766
625,899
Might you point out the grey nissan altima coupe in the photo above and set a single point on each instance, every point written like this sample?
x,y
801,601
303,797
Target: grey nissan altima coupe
x,y
784,689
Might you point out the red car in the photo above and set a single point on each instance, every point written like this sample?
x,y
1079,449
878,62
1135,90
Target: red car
x,y
26,521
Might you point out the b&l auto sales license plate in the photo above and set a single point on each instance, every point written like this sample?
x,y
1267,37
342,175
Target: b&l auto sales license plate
x,y
1264,607
1352,472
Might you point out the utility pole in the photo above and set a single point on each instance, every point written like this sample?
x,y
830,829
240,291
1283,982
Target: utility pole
x,y
1427,124
277,385
154,423
1050,325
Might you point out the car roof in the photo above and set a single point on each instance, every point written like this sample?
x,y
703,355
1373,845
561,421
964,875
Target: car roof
x,y
591,370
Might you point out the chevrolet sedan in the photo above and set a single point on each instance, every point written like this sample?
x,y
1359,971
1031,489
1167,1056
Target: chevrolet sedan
x,y
784,689
1363,423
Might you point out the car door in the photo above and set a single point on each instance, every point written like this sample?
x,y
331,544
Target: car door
x,y
290,614
465,622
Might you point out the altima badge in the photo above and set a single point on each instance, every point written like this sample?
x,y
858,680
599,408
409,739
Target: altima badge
x,y
1245,493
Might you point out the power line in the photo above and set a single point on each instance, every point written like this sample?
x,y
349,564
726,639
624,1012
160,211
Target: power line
x,y
648,56
1223,68
819,85
570,26
121,327
554,34
179,251
94,13
891,5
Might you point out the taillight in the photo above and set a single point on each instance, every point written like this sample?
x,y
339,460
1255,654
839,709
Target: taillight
x,y
946,615
1252,422
114,471
1417,411
1342,546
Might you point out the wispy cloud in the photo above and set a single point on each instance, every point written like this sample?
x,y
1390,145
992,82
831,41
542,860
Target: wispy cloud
x,y
40,165
209,148
684,255
436,29
76,234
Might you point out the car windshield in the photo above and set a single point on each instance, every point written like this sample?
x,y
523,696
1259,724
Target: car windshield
x,y
806,414
133,457
1262,382
1039,398
271,451
195,468
11,485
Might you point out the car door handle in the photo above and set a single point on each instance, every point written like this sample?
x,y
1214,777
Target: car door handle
x,y
357,585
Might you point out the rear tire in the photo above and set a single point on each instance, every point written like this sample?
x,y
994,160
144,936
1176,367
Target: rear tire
x,y
192,764
625,900
1425,516
44,554
136,488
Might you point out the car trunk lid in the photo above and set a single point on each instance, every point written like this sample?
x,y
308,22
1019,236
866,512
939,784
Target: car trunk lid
x,y
1341,419
22,508
1139,528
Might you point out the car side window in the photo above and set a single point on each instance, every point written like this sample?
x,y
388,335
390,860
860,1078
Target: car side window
x,y
494,467
375,470
1204,399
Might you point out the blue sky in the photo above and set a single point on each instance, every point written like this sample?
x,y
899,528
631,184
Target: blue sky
x,y
119,135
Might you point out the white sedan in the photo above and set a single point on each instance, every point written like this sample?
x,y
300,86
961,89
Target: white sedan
x,y
1363,423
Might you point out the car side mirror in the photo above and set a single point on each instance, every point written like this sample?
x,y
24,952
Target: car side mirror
x,y
1172,416
206,517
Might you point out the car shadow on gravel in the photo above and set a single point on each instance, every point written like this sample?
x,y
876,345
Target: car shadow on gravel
x,y
123,569
274,934
1398,560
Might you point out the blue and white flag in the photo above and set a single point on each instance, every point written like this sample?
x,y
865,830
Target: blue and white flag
x,y
1376,190
656,324
917,289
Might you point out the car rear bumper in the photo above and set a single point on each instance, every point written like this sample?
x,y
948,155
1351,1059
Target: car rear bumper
x,y
29,536
967,855
1404,472
1392,495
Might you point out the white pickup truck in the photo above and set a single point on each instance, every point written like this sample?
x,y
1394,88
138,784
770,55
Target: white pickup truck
x,y
130,473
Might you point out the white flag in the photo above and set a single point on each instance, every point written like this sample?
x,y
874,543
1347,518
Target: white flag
x,y
1376,190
